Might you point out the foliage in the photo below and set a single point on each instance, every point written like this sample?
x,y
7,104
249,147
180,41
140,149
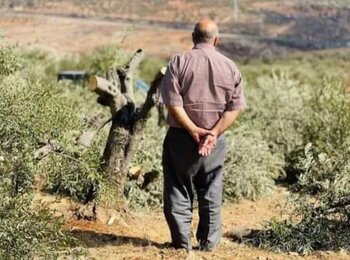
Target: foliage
x,y
29,110
149,68
147,192
329,126
10,60
250,166
277,108
102,59
320,221
320,170
77,178
25,231
278,103
325,129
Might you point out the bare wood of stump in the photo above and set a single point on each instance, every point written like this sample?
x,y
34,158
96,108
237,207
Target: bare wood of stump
x,y
127,122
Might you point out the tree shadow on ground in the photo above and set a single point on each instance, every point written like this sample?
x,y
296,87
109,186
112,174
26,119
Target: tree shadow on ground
x,y
96,239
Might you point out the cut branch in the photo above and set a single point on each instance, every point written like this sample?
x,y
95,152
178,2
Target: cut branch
x,y
102,86
108,93
126,74
49,146
151,95
134,62
86,138
337,206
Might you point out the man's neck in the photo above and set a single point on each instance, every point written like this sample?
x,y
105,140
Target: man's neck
x,y
204,45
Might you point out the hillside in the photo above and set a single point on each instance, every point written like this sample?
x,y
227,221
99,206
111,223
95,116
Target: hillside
x,y
256,29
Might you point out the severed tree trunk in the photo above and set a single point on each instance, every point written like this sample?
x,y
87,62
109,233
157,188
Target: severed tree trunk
x,y
116,91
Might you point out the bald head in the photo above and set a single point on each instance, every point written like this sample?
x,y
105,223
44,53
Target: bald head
x,y
205,31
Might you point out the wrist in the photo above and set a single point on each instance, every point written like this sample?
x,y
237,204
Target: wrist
x,y
214,133
192,129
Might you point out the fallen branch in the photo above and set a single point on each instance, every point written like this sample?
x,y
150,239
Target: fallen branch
x,y
49,146
86,138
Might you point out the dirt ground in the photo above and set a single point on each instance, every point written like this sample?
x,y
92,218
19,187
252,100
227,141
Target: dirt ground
x,y
142,236
62,36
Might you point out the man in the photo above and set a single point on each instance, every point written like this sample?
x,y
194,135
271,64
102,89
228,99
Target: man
x,y
202,90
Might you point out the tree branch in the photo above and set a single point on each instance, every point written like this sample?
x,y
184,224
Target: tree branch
x,y
126,74
102,86
151,99
108,93
134,62
86,138
49,146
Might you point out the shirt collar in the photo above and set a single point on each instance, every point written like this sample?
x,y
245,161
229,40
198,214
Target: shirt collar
x,y
204,45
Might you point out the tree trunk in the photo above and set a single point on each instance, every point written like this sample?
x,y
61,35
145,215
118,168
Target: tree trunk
x,y
115,155
127,122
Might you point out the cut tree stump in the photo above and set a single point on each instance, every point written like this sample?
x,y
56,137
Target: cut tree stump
x,y
116,92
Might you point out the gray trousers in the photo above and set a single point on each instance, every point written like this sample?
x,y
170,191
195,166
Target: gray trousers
x,y
186,172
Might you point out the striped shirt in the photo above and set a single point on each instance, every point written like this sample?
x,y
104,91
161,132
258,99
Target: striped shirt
x,y
205,83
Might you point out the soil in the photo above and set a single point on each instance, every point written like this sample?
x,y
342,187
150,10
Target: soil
x,y
73,36
143,235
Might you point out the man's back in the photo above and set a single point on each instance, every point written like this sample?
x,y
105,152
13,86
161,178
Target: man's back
x,y
205,83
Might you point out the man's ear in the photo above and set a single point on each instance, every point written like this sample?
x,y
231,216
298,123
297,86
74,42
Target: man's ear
x,y
216,41
193,38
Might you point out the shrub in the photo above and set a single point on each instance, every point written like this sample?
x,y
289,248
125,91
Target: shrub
x,y
147,192
320,221
329,124
25,231
10,60
327,129
250,167
30,111
277,106
74,176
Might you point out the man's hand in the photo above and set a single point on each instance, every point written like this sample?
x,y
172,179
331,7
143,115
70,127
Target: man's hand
x,y
206,139
198,133
181,117
207,144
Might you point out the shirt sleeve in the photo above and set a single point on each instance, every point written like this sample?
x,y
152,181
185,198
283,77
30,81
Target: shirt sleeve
x,y
170,88
238,101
